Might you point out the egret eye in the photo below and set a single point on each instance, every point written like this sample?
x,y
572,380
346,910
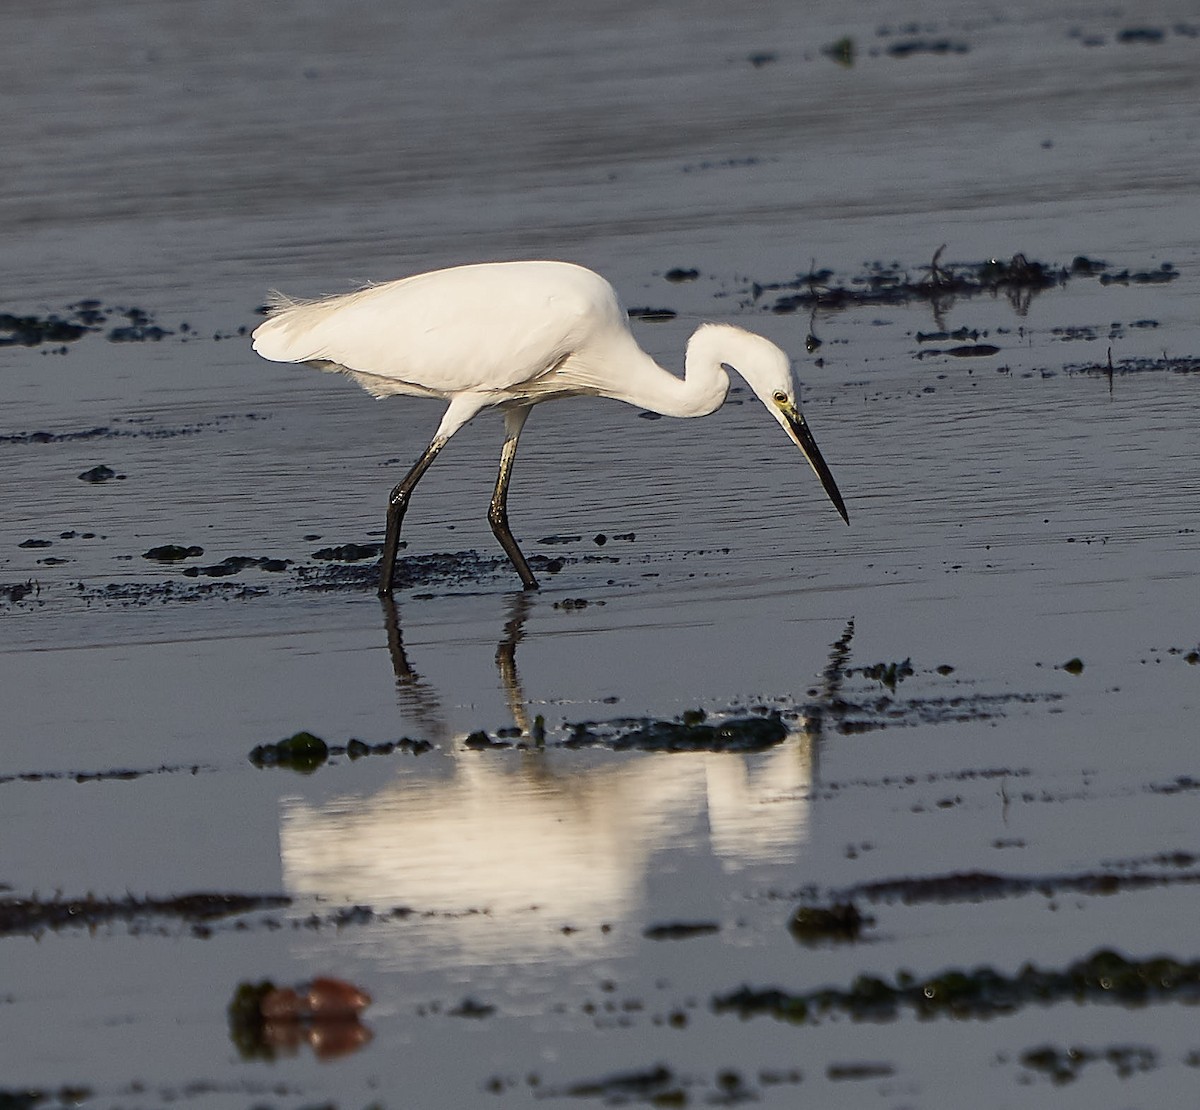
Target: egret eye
x,y
779,397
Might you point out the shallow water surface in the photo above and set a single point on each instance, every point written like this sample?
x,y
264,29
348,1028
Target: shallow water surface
x,y
543,837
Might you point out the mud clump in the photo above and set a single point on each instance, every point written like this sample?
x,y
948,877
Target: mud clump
x,y
100,474
470,1008
681,930
172,553
348,552
479,741
235,564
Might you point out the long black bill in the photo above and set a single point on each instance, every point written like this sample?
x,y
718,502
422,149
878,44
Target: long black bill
x,y
803,438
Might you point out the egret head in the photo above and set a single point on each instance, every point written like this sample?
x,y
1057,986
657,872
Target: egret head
x,y
768,371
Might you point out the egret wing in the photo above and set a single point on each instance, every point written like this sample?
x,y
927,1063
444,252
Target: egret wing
x,y
488,328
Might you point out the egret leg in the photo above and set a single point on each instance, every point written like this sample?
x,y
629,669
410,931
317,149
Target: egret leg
x,y
514,421
397,507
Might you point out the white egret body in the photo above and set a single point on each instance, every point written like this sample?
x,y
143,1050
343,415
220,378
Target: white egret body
x,y
508,335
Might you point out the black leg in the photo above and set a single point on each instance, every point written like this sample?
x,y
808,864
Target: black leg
x,y
514,421
397,506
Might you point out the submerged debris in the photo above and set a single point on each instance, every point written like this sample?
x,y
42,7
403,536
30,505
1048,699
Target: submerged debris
x,y
265,1020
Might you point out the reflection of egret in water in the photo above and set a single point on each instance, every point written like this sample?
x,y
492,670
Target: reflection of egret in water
x,y
535,838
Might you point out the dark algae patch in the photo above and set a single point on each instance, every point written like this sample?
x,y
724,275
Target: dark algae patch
x,y
1104,976
113,774
1063,1065
301,752
349,552
117,324
980,886
886,674
32,915
839,921
32,331
235,564
661,1086
1181,365
688,733
652,1085
940,284
31,1098
304,752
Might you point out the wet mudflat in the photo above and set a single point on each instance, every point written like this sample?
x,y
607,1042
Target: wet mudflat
x,y
743,805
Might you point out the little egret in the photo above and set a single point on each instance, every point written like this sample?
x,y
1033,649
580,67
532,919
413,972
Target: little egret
x,y
507,336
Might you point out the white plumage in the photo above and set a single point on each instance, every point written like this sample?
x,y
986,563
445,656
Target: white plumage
x,y
509,335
